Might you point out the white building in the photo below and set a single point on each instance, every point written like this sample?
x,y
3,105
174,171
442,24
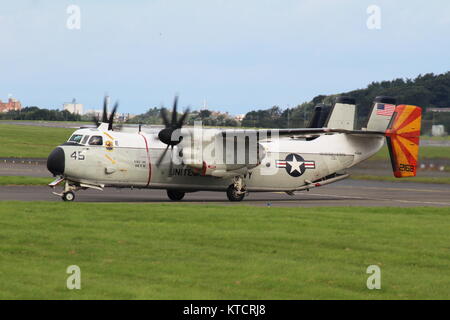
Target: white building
x,y
438,130
73,107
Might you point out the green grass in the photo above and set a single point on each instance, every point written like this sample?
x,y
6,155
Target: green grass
x,y
24,181
439,180
30,141
148,251
75,123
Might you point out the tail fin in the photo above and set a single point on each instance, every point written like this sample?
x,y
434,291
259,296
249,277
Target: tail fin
x,y
320,116
342,114
402,136
380,115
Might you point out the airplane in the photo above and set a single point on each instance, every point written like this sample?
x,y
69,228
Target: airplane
x,y
183,159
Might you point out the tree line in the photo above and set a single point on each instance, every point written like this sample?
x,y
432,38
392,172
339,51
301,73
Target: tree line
x,y
426,91
36,113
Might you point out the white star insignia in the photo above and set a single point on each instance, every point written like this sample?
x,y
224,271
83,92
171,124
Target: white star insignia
x,y
295,165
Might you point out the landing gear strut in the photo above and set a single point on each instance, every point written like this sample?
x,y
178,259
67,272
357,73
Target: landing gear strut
x,y
69,191
175,195
236,191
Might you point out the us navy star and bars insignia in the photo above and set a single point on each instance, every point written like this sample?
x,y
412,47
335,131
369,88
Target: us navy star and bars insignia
x,y
295,165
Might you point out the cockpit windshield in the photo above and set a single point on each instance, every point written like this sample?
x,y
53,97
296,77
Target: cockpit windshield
x,y
76,138
96,141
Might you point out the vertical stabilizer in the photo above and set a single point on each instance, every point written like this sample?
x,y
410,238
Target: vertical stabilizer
x,y
402,136
381,113
342,115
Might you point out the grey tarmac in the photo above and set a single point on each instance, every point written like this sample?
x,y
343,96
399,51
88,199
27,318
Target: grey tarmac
x,y
345,193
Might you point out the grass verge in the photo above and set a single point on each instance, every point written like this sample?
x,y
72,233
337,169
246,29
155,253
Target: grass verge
x,y
24,181
29,141
147,251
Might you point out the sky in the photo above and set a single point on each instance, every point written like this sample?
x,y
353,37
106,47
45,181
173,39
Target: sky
x,y
236,55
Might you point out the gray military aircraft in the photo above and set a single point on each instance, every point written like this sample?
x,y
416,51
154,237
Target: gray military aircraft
x,y
236,161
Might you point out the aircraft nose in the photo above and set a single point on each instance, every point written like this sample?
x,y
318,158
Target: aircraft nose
x,y
56,161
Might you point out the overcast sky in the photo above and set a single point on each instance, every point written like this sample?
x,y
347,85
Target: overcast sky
x,y
239,55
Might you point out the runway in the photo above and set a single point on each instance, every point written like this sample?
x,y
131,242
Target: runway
x,y
345,193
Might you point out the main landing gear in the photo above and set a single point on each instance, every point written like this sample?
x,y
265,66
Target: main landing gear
x,y
175,195
236,190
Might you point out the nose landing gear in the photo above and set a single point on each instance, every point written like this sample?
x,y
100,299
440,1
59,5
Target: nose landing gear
x,y
68,196
71,187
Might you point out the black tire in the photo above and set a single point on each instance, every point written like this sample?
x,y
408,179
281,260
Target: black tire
x,y
68,196
234,195
175,195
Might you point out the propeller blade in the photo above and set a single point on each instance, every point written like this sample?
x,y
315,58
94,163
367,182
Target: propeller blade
x,y
162,156
174,111
183,118
105,110
165,118
171,161
111,117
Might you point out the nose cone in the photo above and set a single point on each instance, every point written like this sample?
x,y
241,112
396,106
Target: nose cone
x,y
56,162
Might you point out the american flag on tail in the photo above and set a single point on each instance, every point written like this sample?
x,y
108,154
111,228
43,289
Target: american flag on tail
x,y
384,109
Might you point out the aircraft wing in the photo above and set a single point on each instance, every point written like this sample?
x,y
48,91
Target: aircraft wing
x,y
296,132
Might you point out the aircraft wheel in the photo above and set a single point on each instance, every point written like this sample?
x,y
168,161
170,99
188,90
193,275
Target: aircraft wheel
x,y
68,196
234,195
175,195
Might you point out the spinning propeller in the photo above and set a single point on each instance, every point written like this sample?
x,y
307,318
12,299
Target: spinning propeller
x,y
105,119
165,135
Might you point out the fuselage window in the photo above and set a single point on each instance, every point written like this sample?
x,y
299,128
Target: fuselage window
x,y
96,141
85,139
76,138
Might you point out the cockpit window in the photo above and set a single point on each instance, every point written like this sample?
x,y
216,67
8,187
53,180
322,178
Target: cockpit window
x,y
85,139
76,138
96,141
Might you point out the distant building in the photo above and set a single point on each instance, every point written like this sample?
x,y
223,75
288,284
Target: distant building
x,y
438,130
121,117
239,117
73,107
11,105
92,112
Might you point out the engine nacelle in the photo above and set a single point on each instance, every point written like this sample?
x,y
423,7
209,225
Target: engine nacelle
x,y
223,155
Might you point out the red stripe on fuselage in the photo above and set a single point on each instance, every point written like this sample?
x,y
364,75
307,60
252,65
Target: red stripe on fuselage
x,y
148,159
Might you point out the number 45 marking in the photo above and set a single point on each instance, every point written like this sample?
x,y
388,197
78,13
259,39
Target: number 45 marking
x,y
77,155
